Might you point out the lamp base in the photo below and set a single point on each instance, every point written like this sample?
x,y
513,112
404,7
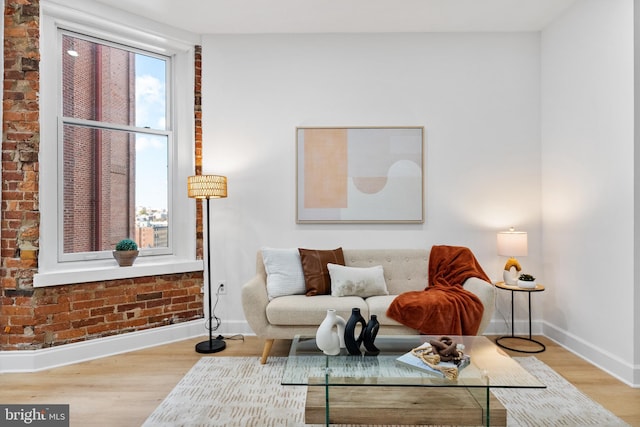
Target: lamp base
x,y
211,346
510,277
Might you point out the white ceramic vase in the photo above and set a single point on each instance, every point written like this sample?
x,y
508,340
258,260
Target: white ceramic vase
x,y
330,334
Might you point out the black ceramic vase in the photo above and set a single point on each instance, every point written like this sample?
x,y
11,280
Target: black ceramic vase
x,y
370,333
350,341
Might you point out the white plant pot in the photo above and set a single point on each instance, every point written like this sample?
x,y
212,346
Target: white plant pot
x,y
526,284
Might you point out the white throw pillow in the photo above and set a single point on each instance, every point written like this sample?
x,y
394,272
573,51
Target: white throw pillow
x,y
357,281
284,272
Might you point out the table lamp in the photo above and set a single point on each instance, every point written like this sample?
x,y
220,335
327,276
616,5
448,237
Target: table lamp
x,y
208,187
512,244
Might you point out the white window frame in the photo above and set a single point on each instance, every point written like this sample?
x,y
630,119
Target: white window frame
x,y
103,22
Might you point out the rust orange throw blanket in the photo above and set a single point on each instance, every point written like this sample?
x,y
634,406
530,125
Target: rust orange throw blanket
x,y
444,307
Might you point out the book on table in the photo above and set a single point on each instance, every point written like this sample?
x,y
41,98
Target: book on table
x,y
412,361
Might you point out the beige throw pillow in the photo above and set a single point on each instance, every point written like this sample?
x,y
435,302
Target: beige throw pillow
x,y
357,281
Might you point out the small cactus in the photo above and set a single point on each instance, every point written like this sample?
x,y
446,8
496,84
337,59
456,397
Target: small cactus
x,y
527,277
126,245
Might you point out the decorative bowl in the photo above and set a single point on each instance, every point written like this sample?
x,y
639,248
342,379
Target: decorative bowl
x,y
526,284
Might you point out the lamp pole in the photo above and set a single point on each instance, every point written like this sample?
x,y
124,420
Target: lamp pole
x,y
211,346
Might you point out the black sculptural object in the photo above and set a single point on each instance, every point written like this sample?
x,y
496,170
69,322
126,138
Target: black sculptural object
x,y
351,342
370,333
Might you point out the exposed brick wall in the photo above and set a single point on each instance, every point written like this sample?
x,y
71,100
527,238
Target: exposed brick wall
x,y
198,143
32,318
71,313
20,144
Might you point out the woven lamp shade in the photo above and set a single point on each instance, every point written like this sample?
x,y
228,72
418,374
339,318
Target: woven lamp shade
x,y
207,186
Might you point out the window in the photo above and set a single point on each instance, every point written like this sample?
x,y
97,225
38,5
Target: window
x,y
116,145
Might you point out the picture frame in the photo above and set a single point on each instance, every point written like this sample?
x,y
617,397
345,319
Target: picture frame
x,y
360,174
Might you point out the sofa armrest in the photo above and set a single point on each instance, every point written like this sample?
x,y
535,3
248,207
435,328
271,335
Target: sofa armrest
x,y
254,304
487,294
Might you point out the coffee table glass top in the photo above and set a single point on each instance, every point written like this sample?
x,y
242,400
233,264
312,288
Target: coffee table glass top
x,y
490,366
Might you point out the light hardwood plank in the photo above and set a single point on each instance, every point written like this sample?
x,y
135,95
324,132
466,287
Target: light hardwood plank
x,y
123,390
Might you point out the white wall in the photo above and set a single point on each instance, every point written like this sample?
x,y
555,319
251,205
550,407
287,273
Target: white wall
x,y
477,95
588,182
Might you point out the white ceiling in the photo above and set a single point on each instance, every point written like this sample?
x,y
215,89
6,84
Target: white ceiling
x,y
330,16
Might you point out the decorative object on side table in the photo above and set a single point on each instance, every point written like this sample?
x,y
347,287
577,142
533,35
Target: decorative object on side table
x,y
126,252
526,281
351,342
512,243
330,334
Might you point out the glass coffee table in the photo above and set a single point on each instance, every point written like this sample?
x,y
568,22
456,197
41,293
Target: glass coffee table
x,y
349,389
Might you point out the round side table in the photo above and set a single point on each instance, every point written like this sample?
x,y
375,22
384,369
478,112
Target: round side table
x,y
513,289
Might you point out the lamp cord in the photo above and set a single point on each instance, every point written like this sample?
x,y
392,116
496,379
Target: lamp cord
x,y
215,318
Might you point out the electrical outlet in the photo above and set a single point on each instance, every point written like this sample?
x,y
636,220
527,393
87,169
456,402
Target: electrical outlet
x,y
222,289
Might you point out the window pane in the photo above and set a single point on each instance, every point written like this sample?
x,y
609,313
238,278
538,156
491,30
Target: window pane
x,y
112,85
152,191
106,175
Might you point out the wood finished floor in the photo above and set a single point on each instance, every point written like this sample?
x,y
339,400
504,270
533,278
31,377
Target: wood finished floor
x,y
121,391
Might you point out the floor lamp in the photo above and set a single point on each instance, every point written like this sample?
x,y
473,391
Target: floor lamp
x,y
208,187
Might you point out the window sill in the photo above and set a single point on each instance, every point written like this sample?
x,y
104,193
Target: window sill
x,y
100,271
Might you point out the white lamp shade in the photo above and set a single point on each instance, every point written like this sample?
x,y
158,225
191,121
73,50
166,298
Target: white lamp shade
x,y
512,243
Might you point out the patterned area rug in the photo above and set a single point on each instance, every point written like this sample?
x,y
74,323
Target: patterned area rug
x,y
238,391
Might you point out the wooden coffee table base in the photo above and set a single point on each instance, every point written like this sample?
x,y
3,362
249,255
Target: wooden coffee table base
x,y
401,405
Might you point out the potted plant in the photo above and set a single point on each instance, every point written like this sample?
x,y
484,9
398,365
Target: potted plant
x,y
526,281
126,252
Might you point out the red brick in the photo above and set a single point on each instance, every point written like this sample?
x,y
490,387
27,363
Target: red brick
x,y
176,308
103,310
13,310
87,322
129,307
79,305
158,303
70,334
99,328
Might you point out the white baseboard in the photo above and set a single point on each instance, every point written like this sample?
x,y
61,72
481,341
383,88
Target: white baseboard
x,y
47,358
608,362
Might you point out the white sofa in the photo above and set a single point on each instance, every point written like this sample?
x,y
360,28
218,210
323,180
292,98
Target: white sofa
x,y
285,317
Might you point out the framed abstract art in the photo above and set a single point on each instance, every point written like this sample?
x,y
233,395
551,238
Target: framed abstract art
x,y
360,174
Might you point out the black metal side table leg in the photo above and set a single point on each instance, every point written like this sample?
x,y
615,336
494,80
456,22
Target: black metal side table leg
x,y
513,336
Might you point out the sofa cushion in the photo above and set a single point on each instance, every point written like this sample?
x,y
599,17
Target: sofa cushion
x,y
284,272
357,281
314,265
378,305
300,310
